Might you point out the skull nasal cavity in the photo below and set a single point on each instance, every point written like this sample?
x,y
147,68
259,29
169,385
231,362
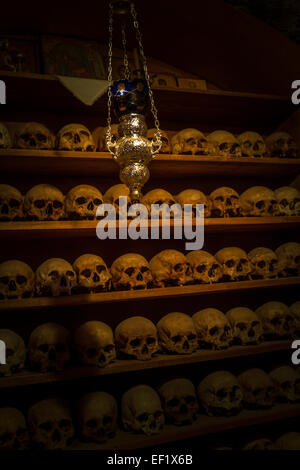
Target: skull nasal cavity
x,y
96,278
49,209
52,355
63,281
12,285
56,436
90,206
76,138
139,277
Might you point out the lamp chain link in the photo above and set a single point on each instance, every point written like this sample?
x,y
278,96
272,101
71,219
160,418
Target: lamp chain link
x,y
108,137
126,64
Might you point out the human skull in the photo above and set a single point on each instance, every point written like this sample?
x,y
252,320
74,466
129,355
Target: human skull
x,y
102,147
179,400
288,201
55,277
50,424
189,142
177,333
13,430
97,416
169,268
113,194
82,202
213,329
92,274
44,202
281,145
15,353
258,201
49,347
295,311
257,388
11,203
289,259
277,321
246,326
94,344
142,411
193,197
16,280
224,144
204,268
157,196
264,262
131,272
225,202
34,136
5,139
252,144
220,394
75,137
287,384
137,337
165,147
288,441
259,444
235,263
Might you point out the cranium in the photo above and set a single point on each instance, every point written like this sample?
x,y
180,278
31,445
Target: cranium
x,y
258,201
11,203
259,444
169,268
194,196
50,424
92,274
82,202
179,401
246,326
288,200
165,147
295,311
252,144
13,430
97,415
158,196
204,268
258,389
289,259
44,202
15,353
131,272
177,333
288,441
49,347
5,139
225,202
281,145
276,319
113,194
34,136
190,142
264,262
224,144
94,343
137,337
235,263
287,384
55,277
75,137
220,394
102,147
142,411
16,280
213,329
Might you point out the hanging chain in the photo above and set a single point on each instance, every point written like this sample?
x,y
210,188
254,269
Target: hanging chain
x,y
108,136
126,63
158,143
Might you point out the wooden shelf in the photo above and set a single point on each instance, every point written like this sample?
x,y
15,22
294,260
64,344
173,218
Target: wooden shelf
x,y
26,378
28,230
62,163
148,294
204,425
194,108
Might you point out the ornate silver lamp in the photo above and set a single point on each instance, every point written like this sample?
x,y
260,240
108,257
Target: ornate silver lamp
x,y
132,151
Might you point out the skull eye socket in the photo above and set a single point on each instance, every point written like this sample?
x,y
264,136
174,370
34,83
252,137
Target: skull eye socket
x,y
201,269
241,326
275,321
4,280
97,202
190,141
129,271
260,204
285,385
247,143
68,135
91,423
60,348
109,348
25,137
40,203
64,424
70,274
261,264
151,340
297,259
142,417
21,432
144,269
243,261
84,133
254,323
21,279
86,273
191,337
46,426
44,348
221,393
80,200
173,402
107,420
9,352
178,267
157,414
284,203
213,331
176,338
57,204
229,263
100,268
219,199
257,391
159,202
41,137
14,203
223,146
91,352
190,400
135,342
